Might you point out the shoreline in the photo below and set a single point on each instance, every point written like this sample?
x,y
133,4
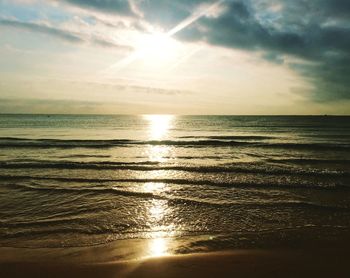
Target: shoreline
x,y
125,250
319,262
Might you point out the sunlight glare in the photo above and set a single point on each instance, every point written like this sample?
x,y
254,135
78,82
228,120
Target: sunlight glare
x,y
158,247
157,210
156,49
159,49
158,153
154,186
159,125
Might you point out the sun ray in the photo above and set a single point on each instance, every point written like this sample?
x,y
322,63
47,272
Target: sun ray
x,y
164,36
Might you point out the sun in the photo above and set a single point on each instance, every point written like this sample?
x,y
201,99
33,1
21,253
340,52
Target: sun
x,y
156,48
153,51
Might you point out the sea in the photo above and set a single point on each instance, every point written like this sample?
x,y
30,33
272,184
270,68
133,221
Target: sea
x,y
224,182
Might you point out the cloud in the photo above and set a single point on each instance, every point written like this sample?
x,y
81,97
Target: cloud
x,y
121,7
106,43
316,32
62,34
311,30
168,13
59,106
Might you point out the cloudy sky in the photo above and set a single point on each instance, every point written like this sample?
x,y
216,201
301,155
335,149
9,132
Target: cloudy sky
x,y
175,56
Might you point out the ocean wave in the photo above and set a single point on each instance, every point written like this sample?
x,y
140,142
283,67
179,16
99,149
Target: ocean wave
x,y
309,161
230,137
76,218
176,200
231,184
157,166
92,230
64,164
86,156
6,142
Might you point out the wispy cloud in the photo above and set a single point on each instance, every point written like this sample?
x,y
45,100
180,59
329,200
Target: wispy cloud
x,y
59,33
66,35
116,6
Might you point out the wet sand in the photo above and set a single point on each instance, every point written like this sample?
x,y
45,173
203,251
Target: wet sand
x,y
241,263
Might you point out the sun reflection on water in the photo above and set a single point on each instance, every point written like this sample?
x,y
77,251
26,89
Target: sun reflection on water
x,y
158,247
158,209
154,187
157,212
159,125
158,153
158,129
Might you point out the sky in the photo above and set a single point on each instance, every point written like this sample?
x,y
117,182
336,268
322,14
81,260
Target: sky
x,y
238,57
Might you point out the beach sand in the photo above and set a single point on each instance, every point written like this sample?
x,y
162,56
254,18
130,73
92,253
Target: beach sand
x,y
241,263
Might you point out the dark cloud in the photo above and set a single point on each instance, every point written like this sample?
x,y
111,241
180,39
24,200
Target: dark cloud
x,y
121,7
316,31
335,7
168,13
61,34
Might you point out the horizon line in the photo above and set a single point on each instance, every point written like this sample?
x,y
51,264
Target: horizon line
x,y
140,114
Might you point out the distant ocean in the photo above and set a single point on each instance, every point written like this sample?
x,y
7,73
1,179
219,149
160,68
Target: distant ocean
x,y
229,181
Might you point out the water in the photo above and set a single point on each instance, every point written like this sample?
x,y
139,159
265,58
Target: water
x,y
228,181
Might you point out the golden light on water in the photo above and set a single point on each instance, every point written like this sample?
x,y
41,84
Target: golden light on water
x,y
158,153
159,125
157,210
158,129
158,247
153,186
